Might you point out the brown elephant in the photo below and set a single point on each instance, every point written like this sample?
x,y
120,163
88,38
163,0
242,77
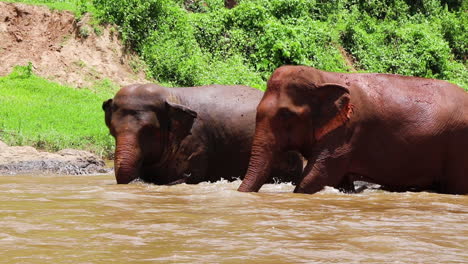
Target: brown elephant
x,y
175,135
404,133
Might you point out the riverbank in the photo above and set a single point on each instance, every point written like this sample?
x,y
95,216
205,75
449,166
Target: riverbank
x,y
56,71
72,51
26,160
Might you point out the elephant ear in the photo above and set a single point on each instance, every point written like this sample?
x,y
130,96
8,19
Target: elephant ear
x,y
333,110
181,119
106,106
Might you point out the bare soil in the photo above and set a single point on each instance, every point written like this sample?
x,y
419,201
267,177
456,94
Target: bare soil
x,y
63,49
68,51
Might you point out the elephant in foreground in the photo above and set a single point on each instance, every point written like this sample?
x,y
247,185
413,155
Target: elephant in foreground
x,y
186,135
404,133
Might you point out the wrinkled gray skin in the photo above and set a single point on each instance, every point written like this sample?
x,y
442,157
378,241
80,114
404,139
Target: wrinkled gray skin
x,y
194,134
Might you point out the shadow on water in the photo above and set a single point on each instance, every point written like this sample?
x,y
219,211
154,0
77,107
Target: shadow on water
x,y
90,219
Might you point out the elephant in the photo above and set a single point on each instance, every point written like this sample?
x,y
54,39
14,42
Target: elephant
x,y
401,132
187,135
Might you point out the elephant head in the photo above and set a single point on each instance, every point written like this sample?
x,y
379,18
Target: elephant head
x,y
295,113
148,125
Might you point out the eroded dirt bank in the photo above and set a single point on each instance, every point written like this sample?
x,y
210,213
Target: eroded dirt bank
x,y
62,48
69,51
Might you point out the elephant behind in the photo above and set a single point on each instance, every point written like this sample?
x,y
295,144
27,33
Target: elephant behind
x,y
193,134
404,133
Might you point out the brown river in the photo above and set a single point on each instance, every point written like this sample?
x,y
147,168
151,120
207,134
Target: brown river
x,y
90,219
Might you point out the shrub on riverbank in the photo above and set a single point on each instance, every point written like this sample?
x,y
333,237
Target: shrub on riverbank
x,y
196,42
188,42
46,115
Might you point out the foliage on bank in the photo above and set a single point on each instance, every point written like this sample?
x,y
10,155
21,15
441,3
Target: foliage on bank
x,y
195,42
50,116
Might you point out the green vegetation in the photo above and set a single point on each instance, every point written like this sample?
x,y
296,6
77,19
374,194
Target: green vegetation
x,y
196,42
49,116
199,42
76,6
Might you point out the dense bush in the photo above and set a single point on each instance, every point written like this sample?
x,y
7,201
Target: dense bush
x,y
197,42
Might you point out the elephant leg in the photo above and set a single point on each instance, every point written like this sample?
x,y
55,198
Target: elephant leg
x,y
288,168
198,169
456,176
456,184
347,184
180,181
323,172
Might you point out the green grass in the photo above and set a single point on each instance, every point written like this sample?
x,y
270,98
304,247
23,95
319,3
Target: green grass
x,y
49,116
70,5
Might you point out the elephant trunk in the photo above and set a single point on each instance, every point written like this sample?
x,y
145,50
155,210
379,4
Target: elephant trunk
x,y
260,163
127,159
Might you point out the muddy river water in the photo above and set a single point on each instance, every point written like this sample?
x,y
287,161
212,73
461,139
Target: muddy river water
x,y
90,219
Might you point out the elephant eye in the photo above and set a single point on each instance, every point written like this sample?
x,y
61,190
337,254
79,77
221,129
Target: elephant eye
x,y
130,112
285,113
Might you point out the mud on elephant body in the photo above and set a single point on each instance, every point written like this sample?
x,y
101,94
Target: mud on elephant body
x,y
194,134
404,133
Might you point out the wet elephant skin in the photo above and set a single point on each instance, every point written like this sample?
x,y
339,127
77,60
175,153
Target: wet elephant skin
x,y
404,133
193,134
